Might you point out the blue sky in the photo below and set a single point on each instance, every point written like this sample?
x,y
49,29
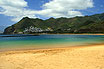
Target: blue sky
x,y
11,11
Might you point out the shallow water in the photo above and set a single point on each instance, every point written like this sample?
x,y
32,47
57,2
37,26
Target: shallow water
x,y
48,41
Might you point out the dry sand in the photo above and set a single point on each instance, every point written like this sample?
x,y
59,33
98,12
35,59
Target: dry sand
x,y
89,57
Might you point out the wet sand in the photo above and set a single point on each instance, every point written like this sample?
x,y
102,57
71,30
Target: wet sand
x,y
83,57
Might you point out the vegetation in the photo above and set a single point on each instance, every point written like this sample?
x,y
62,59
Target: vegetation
x,y
86,24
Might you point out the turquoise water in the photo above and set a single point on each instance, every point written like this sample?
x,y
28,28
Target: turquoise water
x,y
47,41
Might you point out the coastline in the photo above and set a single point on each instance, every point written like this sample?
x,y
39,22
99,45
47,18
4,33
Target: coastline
x,y
37,34
46,48
77,57
71,34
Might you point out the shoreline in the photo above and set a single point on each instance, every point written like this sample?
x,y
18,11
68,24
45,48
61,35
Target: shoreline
x,y
70,33
59,34
49,49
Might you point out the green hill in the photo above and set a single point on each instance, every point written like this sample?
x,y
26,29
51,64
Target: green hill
x,y
86,24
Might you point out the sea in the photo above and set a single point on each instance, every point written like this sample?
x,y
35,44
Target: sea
x,y
21,42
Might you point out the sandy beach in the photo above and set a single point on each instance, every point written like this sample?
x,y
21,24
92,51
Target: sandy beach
x,y
87,57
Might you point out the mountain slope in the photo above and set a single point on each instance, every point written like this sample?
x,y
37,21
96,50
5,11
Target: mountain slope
x,y
86,24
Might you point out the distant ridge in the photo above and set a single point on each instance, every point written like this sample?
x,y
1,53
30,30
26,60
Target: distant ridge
x,y
1,32
86,24
2,28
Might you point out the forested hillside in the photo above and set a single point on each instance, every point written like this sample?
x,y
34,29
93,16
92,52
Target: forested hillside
x,y
86,24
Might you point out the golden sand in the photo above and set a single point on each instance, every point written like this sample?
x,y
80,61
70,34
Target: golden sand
x,y
89,57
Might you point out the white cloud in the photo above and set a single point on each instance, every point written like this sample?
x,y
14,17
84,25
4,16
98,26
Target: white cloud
x,y
13,3
16,9
54,8
65,8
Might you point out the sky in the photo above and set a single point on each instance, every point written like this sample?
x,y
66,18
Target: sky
x,y
12,11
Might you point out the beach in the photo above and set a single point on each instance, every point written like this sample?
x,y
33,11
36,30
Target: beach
x,y
82,57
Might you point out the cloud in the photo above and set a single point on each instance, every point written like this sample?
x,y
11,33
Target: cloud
x,y
14,3
16,9
65,8
54,8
